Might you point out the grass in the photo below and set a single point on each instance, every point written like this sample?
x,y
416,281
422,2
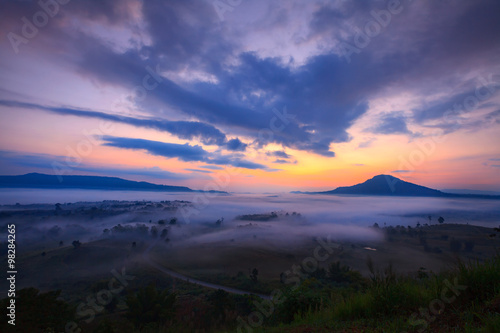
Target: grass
x,y
466,299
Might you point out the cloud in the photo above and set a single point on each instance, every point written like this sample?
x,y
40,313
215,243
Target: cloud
x,y
391,123
198,170
251,75
367,143
189,130
280,161
236,145
54,164
211,167
278,153
183,152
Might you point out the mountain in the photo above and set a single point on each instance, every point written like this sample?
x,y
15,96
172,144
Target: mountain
x,y
38,180
386,185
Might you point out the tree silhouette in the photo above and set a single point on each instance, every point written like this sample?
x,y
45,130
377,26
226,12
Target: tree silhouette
x,y
338,273
219,300
38,312
149,305
440,220
76,244
154,231
253,274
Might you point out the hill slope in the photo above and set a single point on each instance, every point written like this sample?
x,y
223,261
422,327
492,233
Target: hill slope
x,y
386,185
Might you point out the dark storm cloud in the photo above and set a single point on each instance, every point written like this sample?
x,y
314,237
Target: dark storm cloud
x,y
188,130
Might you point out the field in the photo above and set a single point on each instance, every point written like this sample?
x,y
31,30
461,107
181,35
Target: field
x,y
84,249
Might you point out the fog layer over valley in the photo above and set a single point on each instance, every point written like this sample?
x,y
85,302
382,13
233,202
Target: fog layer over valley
x,y
222,236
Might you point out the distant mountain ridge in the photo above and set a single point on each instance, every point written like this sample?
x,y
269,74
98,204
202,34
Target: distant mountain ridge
x,y
387,185
38,180
467,191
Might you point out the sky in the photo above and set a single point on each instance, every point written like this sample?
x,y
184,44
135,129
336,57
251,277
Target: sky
x,y
254,96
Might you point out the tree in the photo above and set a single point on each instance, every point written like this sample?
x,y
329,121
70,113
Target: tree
x,y
54,231
38,312
338,273
149,305
154,231
219,300
375,225
76,244
440,220
253,274
173,221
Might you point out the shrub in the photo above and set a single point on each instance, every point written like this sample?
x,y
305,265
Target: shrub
x,y
38,312
150,305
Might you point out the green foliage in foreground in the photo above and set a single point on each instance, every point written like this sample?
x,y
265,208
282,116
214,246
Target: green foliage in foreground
x,y
336,299
37,312
466,299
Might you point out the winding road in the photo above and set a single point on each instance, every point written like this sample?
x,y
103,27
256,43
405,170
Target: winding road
x,y
150,262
